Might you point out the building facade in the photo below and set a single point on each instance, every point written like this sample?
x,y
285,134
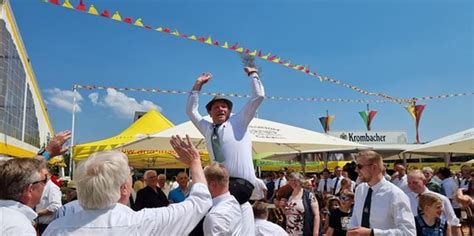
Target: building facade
x,y
24,122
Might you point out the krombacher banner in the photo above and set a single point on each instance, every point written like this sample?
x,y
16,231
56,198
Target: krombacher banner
x,y
370,137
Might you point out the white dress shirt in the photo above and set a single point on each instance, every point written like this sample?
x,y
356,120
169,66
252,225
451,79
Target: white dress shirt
x,y
224,218
51,200
176,219
236,145
248,223
448,211
390,211
16,218
321,184
69,209
338,180
450,187
402,183
267,228
258,191
280,182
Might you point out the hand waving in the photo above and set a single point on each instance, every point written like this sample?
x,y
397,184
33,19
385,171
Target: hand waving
x,y
186,152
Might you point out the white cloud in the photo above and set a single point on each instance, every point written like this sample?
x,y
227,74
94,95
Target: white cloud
x,y
94,97
63,99
123,105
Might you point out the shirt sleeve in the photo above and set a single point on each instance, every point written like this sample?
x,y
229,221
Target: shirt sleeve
x,y
248,111
54,200
402,216
193,112
179,218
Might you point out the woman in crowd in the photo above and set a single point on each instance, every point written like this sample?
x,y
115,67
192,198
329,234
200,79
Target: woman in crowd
x,y
340,216
331,204
466,196
302,211
346,186
430,221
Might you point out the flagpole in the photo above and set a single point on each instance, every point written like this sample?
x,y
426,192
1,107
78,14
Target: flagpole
x,y
73,123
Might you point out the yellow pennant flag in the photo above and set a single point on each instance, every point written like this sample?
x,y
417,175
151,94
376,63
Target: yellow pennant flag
x,y
159,29
276,60
411,110
116,16
209,40
67,4
192,37
176,33
138,22
287,64
239,50
266,56
93,11
254,53
226,45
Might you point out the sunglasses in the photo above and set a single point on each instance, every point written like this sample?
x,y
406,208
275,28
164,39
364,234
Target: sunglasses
x,y
344,198
360,166
44,181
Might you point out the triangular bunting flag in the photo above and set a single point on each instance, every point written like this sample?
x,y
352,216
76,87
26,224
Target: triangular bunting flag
x,y
226,45
216,43
277,60
254,53
127,20
266,56
117,16
81,6
105,13
233,47
159,29
92,10
201,39
175,33
138,22
239,50
67,4
193,37
55,2
166,30
208,40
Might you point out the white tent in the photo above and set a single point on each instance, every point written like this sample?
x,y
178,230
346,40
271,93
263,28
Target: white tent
x,y
462,142
267,136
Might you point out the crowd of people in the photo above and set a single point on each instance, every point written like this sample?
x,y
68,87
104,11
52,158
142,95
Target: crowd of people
x,y
226,197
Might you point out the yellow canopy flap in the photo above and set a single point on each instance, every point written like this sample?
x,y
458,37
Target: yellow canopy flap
x,y
150,123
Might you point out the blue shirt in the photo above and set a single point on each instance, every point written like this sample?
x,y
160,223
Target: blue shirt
x,y
176,195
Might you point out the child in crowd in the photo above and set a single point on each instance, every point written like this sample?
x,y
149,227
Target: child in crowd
x,y
331,204
340,216
430,222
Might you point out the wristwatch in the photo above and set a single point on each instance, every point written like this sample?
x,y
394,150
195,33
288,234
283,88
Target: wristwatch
x,y
44,153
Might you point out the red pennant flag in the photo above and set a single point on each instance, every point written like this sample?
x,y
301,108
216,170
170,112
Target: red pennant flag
x,y
166,30
216,43
271,57
105,13
418,111
201,39
247,51
55,2
233,47
81,6
127,20
184,36
259,54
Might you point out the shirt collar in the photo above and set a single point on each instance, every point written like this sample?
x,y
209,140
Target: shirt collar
x,y
17,206
378,185
220,198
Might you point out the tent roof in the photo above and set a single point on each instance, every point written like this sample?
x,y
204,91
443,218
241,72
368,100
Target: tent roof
x,y
461,142
150,123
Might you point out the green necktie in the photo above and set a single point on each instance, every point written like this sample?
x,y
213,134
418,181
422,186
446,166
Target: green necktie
x,y
216,145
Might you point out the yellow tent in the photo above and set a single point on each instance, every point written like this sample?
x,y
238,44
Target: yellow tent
x,y
150,123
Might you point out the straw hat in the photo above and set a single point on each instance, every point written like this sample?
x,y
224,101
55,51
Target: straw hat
x,y
218,98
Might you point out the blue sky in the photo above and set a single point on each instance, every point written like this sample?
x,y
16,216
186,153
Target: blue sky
x,y
401,48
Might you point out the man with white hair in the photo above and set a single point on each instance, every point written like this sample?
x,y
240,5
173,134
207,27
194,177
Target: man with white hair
x,y
431,183
417,185
150,196
103,187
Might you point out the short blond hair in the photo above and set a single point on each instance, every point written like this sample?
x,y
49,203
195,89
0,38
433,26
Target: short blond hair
x,y
428,199
373,158
218,173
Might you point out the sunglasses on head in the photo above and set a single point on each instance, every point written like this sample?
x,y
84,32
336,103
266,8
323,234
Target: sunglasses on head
x,y
44,181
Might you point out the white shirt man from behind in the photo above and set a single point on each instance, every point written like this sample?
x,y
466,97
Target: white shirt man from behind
x,y
260,191
49,204
417,184
105,212
225,216
263,227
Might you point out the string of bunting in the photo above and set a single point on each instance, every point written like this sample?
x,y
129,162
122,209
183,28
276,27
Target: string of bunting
x,y
138,22
280,98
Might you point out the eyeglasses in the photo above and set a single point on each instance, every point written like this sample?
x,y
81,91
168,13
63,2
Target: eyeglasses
x,y
344,198
44,181
360,166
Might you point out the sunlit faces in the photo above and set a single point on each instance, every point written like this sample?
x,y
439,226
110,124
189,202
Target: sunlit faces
x,y
416,183
182,179
364,169
219,112
151,179
433,210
